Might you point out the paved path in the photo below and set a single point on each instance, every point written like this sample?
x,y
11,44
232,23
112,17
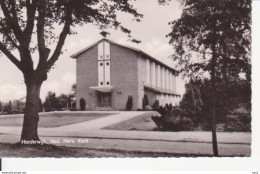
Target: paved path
x,y
199,137
184,148
146,141
102,122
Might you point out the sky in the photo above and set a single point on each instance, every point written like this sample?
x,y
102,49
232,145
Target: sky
x,y
152,31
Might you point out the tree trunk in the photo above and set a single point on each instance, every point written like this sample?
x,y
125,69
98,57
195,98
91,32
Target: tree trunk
x,y
213,93
213,113
31,116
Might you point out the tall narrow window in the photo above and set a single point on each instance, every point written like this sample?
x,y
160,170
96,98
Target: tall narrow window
x,y
104,59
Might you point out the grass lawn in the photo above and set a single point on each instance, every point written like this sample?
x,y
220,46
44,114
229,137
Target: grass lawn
x,y
54,119
26,151
142,122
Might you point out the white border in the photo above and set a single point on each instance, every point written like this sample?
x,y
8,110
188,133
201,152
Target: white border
x,y
164,164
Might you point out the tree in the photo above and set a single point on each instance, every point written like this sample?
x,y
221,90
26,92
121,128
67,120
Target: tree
x,y
40,105
71,101
212,40
191,103
82,103
6,109
145,101
51,102
63,101
27,27
129,103
10,108
72,97
1,106
73,88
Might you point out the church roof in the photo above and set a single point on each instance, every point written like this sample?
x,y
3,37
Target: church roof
x,y
75,55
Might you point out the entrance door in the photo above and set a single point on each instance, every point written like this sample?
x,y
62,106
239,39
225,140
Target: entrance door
x,y
104,99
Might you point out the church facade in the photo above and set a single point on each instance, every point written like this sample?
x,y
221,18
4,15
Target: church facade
x,y
108,72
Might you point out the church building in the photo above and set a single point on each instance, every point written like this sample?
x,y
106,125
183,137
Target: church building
x,y
108,72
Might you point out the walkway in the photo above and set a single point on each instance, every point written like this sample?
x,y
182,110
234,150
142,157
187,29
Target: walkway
x,y
237,143
102,122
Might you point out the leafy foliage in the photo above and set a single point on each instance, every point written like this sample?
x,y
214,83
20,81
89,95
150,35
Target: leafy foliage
x,y
145,101
18,19
156,105
51,102
82,104
213,39
228,97
238,122
224,24
63,101
172,120
1,106
239,119
191,103
30,26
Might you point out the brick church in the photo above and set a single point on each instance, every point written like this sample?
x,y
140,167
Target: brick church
x,y
108,72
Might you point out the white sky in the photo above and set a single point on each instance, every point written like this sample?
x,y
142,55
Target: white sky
x,y
151,31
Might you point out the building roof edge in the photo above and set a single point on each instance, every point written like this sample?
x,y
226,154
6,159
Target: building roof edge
x,y
75,55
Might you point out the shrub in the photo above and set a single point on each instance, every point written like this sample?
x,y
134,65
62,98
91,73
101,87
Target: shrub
x,y
239,119
156,105
73,109
145,101
238,122
82,103
172,120
129,103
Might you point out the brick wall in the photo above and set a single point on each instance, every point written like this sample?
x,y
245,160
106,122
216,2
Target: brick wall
x,y
128,76
87,75
123,76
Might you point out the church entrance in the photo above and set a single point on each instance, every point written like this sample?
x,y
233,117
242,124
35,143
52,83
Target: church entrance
x,y
104,99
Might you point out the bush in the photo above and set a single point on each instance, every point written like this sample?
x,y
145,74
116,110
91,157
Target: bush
x,y
239,119
156,105
238,122
73,109
82,103
172,120
145,101
129,103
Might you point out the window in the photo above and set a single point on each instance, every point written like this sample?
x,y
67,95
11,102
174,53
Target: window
x,y
107,56
101,57
107,83
107,63
101,83
101,64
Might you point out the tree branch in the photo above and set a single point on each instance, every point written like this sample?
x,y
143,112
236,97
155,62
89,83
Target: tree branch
x,y
62,37
12,21
6,34
31,10
10,56
43,51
